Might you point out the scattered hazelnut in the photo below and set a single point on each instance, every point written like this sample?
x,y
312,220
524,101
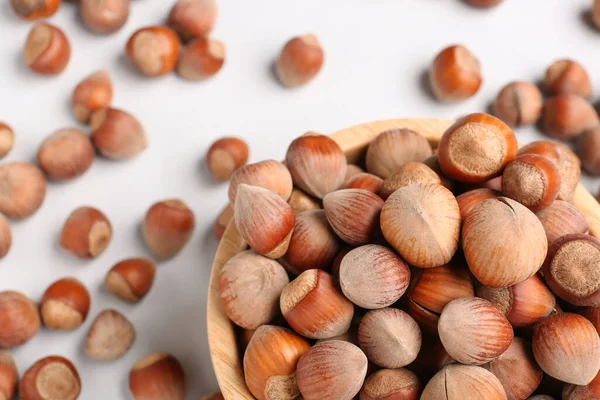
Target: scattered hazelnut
x,y
168,226
225,156
313,244
52,377
592,314
391,384
104,16
378,286
225,216
158,376
455,74
23,189
532,180
566,116
47,50
476,148
86,233
389,337
110,337
93,93
36,9
65,154
504,242
192,19
5,236
250,286
333,369
269,174
364,181
433,215
270,363
131,279
117,134
351,171
596,14
469,200
544,148
464,382
264,220
562,218
588,148
519,104
314,307
9,375
201,59
65,305
588,392
300,61
154,50
353,214
484,3
568,76
19,319
410,173
317,164
392,149
300,202
7,139
567,347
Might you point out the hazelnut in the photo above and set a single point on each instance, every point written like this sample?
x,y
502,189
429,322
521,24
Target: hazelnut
x,y
392,149
337,261
390,384
317,164
389,337
300,61
476,148
333,369
523,304
569,166
433,215
193,18
65,305
432,358
593,315
154,50
5,236
519,104
532,180
110,337
86,233
225,216
504,243
567,347
568,76
65,154
433,162
158,376
411,173
270,363
313,244
457,381
351,171
264,220
473,331
433,288
469,200
364,181
225,156
353,214
378,286
544,148
168,226
269,174
300,202
484,3
572,269
47,50
131,279
23,189
19,319
517,370
455,74
566,116
9,375
212,396
588,392
250,286
36,9
201,59
104,16
562,218
588,148
596,14
93,93
117,134
7,139
314,307
52,377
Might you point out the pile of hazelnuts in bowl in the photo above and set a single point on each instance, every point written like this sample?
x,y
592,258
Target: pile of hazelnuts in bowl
x,y
462,272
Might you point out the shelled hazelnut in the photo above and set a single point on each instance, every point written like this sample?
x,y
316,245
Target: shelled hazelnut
x,y
65,305
47,50
567,116
66,154
390,384
484,3
116,134
7,139
86,233
110,336
105,16
270,174
455,74
467,201
23,189
519,104
9,375
225,156
93,93
158,376
32,10
192,19
410,173
588,148
225,216
300,61
568,76
52,377
154,50
300,202
131,279
19,319
562,218
464,381
168,226
364,181
201,59
5,236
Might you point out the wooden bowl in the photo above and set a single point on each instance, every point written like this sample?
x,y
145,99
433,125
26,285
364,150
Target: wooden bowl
x,y
353,141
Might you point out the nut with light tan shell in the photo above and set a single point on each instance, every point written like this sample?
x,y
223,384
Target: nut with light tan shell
x,y
19,319
193,18
467,201
116,134
410,173
9,375
269,174
105,16
168,226
65,305
22,189
300,61
364,181
86,233
562,218
131,279
519,104
52,377
7,139
110,336
391,384
465,382
93,93
47,50
158,376
154,50
66,154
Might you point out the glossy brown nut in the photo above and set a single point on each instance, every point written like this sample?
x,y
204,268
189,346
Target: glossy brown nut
x,y
544,148
364,181
193,18
66,154
65,305
201,59
455,74
392,149
93,93
168,226
300,61
391,384
110,336
568,76
19,319
464,382
519,104
562,218
566,116
268,174
158,376
9,375
37,9
154,50
7,139
469,200
52,377
225,156
116,134
24,189
86,233
411,173
105,16
131,279
588,148
593,315
47,50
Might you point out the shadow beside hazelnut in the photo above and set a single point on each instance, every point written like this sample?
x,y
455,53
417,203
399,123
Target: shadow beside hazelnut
x,y
47,50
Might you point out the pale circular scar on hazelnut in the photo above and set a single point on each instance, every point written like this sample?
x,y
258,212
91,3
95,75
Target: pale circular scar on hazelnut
x,y
148,50
466,61
576,268
56,381
37,42
476,149
525,182
99,237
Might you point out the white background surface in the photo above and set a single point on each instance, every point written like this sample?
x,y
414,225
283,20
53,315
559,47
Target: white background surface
x,y
376,54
